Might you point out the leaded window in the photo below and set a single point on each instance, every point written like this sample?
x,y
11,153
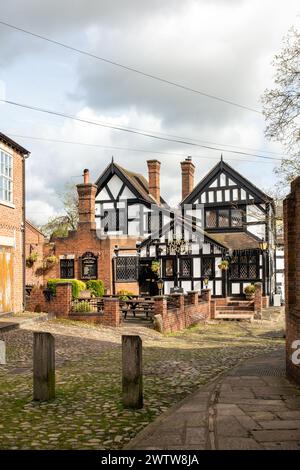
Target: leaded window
x,y
207,267
126,268
244,266
67,269
186,267
6,177
236,218
224,218
113,220
211,219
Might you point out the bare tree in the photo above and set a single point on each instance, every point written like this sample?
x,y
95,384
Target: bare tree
x,y
281,105
60,225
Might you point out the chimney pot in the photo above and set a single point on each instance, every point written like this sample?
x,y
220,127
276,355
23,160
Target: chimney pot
x,y
86,176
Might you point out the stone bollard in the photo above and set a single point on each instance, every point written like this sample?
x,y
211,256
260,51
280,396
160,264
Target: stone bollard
x,y
132,372
2,353
43,367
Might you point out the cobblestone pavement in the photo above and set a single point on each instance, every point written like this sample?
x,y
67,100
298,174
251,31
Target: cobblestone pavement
x,y
87,412
253,407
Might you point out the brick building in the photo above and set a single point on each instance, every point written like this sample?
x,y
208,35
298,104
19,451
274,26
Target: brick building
x,y
125,226
12,225
291,208
34,254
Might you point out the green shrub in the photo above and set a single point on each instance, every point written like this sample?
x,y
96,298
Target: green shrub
x,y
82,307
77,286
96,288
250,289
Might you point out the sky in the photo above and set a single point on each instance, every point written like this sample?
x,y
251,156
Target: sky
x,y
220,47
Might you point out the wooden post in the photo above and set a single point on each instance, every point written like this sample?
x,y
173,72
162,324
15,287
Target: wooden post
x,y
43,367
132,371
2,352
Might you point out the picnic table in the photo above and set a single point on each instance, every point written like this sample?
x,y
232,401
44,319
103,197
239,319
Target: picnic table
x,y
138,305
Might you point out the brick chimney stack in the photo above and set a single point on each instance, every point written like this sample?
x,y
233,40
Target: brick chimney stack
x,y
187,176
86,203
154,179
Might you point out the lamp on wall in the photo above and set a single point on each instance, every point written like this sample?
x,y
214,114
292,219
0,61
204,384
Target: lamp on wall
x,y
205,282
263,245
160,285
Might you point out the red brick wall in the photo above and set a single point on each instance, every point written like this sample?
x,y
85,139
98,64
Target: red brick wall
x,y
34,242
183,316
11,225
59,305
291,208
78,242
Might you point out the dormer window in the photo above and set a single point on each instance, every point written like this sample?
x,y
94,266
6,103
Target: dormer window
x,y
6,177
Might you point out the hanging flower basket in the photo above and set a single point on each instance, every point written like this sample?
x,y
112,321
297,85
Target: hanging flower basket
x,y
224,265
31,259
155,267
49,262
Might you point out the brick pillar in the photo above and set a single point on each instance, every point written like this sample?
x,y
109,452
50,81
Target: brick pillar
x,y
160,308
160,305
194,297
154,179
62,302
111,312
187,177
179,300
258,298
206,295
291,208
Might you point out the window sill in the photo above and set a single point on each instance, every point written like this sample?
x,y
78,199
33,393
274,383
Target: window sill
x,y
7,204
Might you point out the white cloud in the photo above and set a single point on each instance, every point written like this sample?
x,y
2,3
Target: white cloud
x,y
221,47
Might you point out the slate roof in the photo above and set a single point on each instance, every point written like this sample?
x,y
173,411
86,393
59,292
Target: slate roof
x,y
236,240
136,180
8,141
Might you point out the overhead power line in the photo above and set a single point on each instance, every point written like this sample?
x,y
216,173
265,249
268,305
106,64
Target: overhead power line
x,y
131,69
111,147
126,129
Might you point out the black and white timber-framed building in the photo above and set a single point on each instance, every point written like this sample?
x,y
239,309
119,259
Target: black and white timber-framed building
x,y
224,217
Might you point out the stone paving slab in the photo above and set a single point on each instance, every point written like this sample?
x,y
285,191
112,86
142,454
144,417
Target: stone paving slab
x,y
236,412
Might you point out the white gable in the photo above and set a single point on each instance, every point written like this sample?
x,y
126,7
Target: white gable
x,y
114,185
103,195
126,194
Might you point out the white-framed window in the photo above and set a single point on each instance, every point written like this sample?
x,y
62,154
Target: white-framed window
x,y
6,177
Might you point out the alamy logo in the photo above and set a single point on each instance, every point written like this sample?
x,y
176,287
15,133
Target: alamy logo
x,y
296,354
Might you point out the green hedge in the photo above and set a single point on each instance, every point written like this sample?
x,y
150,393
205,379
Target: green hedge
x,y
77,286
96,288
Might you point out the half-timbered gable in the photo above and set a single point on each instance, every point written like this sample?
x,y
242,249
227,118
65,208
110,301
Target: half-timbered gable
x,y
124,205
241,216
232,203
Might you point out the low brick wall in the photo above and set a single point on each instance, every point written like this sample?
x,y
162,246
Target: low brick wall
x,y
61,306
183,314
